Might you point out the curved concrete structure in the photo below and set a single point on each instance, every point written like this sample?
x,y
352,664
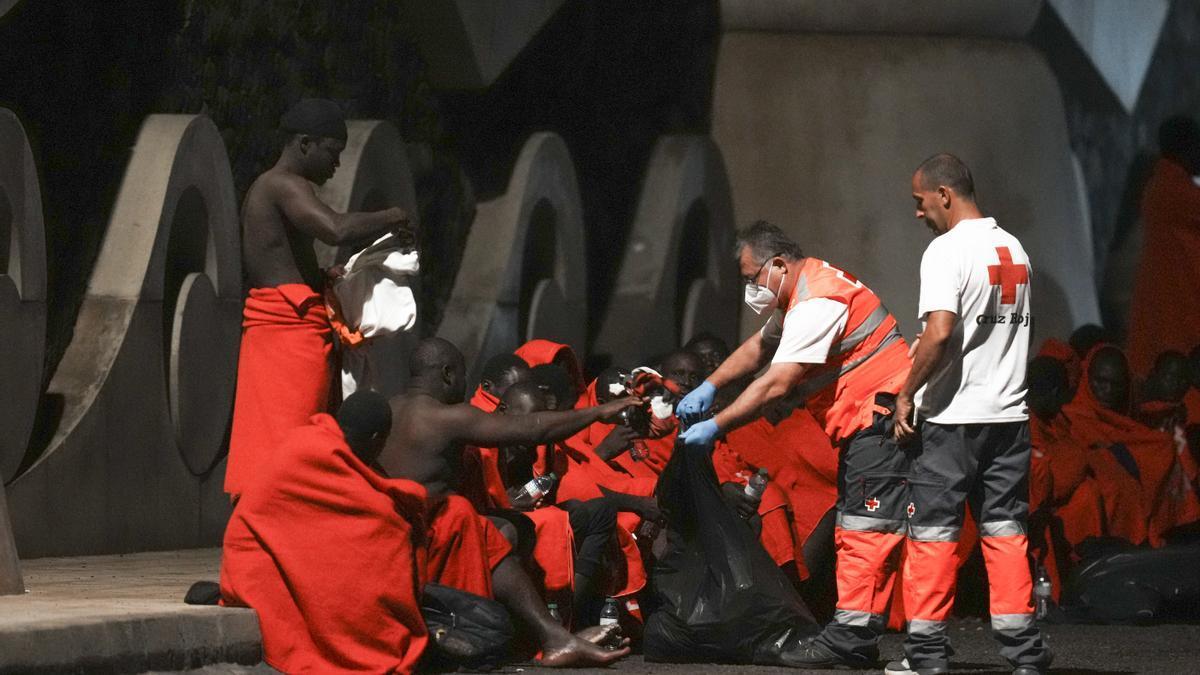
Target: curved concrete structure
x,y
523,272
6,5
22,293
374,174
146,385
821,134
984,18
678,276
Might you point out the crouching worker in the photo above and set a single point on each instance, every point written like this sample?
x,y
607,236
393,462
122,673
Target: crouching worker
x,y
430,427
320,608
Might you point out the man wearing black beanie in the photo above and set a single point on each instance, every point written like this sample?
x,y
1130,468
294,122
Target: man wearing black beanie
x,y
284,368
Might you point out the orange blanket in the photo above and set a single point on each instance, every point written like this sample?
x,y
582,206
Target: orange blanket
x,y
1164,312
541,352
802,464
463,547
323,550
1141,474
283,375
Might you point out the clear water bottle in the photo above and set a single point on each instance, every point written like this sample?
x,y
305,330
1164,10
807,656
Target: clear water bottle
x,y
757,485
552,608
610,615
534,491
1043,593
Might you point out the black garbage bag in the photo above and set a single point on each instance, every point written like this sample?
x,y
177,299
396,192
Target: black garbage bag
x,y
718,596
1136,585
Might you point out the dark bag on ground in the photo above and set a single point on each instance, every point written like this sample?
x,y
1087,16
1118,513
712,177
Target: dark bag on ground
x,y
465,630
718,596
1136,585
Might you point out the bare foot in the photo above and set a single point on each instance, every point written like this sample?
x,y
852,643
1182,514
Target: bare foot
x,y
604,636
571,650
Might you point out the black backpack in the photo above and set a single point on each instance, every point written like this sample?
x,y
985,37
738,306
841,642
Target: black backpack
x,y
465,630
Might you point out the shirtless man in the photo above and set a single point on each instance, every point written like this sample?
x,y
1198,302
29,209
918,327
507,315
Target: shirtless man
x,y
283,367
430,427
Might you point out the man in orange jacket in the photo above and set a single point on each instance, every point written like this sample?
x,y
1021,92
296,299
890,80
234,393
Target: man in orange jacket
x,y
836,349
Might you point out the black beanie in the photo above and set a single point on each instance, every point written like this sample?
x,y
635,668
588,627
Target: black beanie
x,y
315,117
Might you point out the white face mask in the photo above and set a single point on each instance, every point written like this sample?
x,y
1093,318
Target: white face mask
x,y
762,299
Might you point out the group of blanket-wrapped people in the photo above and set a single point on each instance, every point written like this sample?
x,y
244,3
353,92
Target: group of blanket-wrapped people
x,y
557,518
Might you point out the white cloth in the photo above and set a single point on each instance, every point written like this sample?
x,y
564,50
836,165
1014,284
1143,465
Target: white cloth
x,y
374,293
981,377
377,300
806,333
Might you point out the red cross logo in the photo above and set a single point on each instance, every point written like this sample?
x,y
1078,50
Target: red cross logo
x,y
1006,275
912,508
872,504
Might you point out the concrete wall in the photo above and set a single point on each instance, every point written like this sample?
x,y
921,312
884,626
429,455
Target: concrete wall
x,y
821,134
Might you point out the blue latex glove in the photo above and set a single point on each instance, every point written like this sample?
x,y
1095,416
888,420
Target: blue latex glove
x,y
693,406
700,435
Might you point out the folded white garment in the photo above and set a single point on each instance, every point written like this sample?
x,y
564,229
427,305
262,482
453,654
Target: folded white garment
x,y
375,293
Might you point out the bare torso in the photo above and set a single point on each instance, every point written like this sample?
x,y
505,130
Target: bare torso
x,y
275,252
422,445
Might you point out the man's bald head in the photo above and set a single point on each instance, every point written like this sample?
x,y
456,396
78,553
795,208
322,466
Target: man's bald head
x,y
523,398
501,372
684,368
437,366
1108,378
946,170
365,418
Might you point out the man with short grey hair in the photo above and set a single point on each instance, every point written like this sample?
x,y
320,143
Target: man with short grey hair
x,y
834,348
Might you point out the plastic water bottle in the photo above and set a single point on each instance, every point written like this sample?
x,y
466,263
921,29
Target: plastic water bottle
x,y
758,484
552,608
533,491
1043,590
610,615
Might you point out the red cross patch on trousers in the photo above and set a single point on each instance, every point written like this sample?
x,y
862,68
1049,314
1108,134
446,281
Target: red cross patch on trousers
x,y
1006,275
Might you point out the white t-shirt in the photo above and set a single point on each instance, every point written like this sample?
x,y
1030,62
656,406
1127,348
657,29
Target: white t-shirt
x,y
807,332
982,274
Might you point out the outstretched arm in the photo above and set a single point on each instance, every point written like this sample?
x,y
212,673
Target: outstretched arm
x,y
487,430
310,215
774,384
747,359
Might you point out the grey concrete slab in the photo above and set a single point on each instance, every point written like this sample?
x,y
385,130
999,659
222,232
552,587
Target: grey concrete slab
x,y
468,43
986,18
22,292
678,276
821,134
124,470
121,614
524,270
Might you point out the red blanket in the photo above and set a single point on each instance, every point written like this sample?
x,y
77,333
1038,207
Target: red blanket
x,y
541,352
1144,485
802,464
1164,312
283,375
323,550
463,547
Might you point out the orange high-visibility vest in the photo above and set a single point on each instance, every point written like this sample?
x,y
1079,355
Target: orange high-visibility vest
x,y
869,357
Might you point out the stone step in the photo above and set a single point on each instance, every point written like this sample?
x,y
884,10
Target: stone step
x,y
121,614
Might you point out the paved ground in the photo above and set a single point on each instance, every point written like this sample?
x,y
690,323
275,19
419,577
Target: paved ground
x,y
1080,649
125,614
120,614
